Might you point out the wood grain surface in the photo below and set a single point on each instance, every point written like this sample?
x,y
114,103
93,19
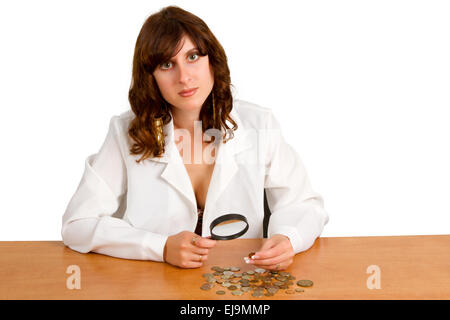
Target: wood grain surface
x,y
411,267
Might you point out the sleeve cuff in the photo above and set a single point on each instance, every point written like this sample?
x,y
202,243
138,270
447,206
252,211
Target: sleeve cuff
x,y
153,245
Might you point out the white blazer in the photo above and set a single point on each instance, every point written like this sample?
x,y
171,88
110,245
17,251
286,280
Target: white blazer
x,y
127,210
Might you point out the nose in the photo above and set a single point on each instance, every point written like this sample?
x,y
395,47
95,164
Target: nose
x,y
183,74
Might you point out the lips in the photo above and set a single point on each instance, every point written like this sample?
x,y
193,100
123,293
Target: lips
x,y
187,92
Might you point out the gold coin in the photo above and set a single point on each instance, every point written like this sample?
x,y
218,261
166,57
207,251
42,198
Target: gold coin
x,y
289,291
220,292
258,294
273,272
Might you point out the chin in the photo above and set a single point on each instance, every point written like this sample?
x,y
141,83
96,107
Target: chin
x,y
194,104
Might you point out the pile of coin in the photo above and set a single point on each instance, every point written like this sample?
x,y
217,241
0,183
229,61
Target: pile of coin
x,y
258,282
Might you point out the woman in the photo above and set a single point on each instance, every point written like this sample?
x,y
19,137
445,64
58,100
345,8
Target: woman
x,y
186,153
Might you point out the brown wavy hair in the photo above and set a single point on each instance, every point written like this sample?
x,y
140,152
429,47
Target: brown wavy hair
x,y
156,43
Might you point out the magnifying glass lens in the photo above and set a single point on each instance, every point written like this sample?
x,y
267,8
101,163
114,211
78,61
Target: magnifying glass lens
x,y
229,226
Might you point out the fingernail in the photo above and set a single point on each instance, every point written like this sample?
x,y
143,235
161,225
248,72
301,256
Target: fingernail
x,y
255,257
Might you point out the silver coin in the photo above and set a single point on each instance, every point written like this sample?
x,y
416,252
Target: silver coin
x,y
205,286
272,290
304,283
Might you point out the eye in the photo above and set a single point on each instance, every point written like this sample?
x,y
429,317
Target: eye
x,y
195,55
165,65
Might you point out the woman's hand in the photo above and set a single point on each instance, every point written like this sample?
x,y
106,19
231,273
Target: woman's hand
x,y
187,249
276,253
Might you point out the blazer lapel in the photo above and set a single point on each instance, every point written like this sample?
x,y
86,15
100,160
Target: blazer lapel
x,y
175,173
226,166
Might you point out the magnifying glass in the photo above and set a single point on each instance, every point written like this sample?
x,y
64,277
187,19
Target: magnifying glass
x,y
228,227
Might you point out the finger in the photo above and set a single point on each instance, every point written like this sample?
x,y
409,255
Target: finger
x,y
191,264
272,261
269,243
198,257
205,242
198,250
274,251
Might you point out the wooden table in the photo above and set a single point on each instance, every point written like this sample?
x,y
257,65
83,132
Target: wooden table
x,y
411,267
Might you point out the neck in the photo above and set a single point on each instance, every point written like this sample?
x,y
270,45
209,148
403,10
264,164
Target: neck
x,y
183,119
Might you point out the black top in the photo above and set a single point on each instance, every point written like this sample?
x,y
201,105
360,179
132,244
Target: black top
x,y
198,229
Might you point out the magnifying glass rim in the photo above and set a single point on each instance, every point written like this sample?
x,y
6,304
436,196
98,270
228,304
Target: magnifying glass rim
x,y
230,216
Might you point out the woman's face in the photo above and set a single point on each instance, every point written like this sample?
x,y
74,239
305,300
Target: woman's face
x,y
185,71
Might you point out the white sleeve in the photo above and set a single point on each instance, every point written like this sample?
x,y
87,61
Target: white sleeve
x,y
88,225
296,210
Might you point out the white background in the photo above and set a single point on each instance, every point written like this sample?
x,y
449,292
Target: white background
x,y
361,89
